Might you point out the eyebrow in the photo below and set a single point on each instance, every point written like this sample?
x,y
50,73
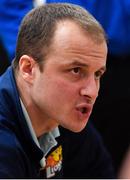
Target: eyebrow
x,y
77,63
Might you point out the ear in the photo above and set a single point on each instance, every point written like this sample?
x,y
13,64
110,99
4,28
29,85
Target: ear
x,y
26,66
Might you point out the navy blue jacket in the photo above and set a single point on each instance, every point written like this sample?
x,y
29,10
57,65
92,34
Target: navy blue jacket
x,y
84,155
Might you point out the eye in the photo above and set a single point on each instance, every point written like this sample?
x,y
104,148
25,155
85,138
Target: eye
x,y
98,75
76,70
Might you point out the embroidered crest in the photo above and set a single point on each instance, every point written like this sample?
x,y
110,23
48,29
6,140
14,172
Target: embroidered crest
x,y
54,162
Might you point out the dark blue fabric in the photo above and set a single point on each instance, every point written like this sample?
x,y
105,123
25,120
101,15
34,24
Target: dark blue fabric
x,y
84,155
11,14
19,156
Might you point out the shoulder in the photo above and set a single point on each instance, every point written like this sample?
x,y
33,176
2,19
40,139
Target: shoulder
x,y
11,155
85,155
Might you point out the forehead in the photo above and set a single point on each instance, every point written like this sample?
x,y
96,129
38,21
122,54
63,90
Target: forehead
x,y
69,33
66,31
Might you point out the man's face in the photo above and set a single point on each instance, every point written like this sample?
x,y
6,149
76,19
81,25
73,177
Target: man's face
x,y
68,87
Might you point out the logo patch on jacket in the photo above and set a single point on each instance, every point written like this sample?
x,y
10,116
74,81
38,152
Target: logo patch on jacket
x,y
54,162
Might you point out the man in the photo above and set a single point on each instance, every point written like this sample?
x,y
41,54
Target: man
x,y
54,80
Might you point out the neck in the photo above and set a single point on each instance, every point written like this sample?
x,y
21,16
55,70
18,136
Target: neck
x,y
41,124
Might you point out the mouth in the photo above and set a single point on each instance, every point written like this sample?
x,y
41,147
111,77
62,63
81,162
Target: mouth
x,y
84,109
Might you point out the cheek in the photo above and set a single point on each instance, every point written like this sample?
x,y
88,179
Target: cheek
x,y
66,88
63,92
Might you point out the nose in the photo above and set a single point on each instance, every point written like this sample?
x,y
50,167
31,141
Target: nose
x,y
90,89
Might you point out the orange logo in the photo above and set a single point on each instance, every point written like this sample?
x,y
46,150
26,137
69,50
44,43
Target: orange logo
x,y
54,162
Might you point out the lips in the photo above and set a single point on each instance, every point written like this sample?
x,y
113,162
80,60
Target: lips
x,y
84,109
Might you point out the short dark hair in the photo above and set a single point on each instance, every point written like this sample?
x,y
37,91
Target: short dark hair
x,y
38,26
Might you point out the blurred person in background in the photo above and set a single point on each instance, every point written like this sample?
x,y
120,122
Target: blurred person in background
x,y
11,14
124,172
